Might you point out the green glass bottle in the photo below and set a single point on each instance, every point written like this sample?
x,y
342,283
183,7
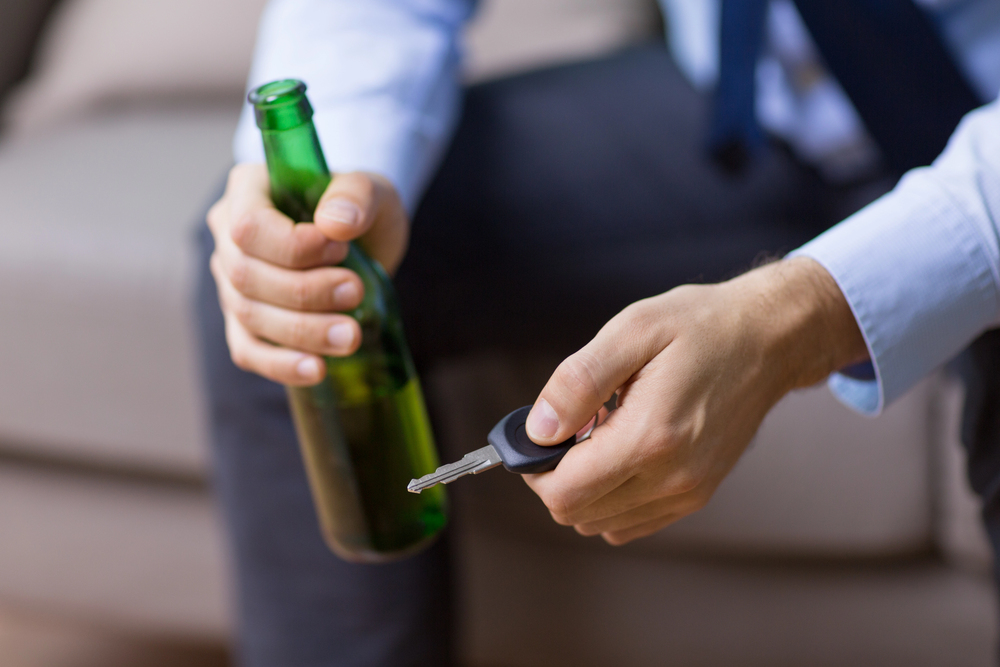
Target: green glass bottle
x,y
363,430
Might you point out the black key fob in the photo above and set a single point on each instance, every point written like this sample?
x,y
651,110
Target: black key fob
x,y
518,452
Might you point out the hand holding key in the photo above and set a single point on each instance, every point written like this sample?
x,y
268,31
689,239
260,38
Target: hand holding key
x,y
697,368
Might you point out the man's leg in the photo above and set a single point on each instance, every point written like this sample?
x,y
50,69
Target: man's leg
x,y
298,605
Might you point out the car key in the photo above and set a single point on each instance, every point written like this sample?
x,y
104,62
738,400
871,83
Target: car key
x,y
509,445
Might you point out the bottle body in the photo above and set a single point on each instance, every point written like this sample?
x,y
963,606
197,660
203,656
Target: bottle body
x,y
363,430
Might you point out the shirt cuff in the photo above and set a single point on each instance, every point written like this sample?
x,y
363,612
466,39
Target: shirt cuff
x,y
916,274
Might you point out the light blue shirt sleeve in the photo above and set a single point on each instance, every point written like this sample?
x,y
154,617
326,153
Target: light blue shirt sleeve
x,y
383,78
920,267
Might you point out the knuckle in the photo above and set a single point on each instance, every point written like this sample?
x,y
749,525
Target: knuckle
x,y
337,252
559,506
244,173
299,293
359,184
272,369
615,539
240,358
560,518
641,312
244,230
639,319
637,310
276,371
386,192
214,263
235,174
575,375
242,309
298,331
698,502
659,439
239,274
213,215
646,531
682,481
299,250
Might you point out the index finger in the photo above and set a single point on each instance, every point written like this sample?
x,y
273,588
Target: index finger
x,y
262,231
584,381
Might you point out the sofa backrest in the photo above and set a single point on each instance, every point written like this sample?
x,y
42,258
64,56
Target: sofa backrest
x,y
95,53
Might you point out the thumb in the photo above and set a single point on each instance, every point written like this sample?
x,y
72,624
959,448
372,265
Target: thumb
x,y
365,207
584,381
347,208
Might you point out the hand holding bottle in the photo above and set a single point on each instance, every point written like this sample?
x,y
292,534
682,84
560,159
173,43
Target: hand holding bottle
x,y
279,288
353,390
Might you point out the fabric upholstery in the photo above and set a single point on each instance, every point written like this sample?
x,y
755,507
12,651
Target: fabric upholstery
x,y
131,553
95,273
96,53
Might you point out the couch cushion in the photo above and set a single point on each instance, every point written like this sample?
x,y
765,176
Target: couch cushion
x,y
959,530
96,235
821,479
139,554
606,608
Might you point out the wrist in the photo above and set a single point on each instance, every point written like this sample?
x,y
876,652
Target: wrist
x,y
808,330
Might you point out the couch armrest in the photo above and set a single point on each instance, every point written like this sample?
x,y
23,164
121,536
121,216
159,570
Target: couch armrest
x,y
20,25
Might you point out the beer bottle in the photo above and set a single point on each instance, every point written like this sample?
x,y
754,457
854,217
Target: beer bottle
x,y
363,430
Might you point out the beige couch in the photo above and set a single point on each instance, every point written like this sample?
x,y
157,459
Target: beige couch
x,y
837,540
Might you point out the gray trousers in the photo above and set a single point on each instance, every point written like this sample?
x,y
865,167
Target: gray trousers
x,y
567,194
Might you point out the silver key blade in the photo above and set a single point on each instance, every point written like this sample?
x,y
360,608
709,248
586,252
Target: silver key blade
x,y
472,463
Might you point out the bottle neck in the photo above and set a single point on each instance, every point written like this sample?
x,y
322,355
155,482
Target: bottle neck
x,y
297,169
295,162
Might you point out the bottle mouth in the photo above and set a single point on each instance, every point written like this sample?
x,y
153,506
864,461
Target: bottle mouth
x,y
285,91
281,105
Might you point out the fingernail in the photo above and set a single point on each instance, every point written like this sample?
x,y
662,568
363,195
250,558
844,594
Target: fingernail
x,y
343,211
340,335
542,420
308,368
345,293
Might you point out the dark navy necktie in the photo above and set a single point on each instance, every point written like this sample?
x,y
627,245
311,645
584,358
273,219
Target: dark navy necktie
x,y
887,56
